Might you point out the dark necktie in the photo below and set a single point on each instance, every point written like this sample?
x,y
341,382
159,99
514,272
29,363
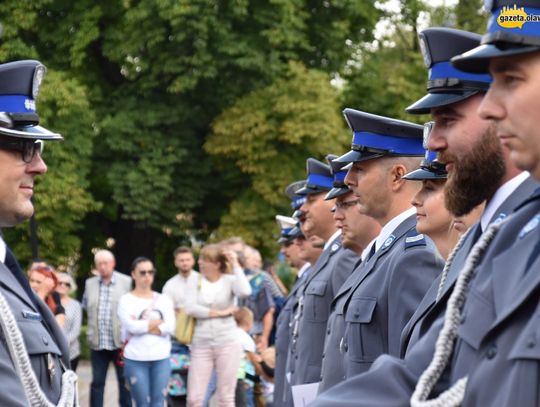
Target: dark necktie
x,y
13,265
371,252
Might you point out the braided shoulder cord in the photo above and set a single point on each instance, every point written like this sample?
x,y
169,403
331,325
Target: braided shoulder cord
x,y
450,260
21,361
445,342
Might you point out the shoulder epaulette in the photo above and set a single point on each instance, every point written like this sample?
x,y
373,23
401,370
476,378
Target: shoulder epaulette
x,y
413,239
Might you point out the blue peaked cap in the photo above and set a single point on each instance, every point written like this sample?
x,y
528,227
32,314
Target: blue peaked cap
x,y
319,178
430,168
296,200
377,136
504,39
446,84
19,87
338,185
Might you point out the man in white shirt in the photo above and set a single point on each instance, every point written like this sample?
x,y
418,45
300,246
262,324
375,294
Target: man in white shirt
x,y
175,287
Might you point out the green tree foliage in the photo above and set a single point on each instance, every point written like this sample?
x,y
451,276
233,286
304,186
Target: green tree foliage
x,y
268,135
157,73
389,75
470,16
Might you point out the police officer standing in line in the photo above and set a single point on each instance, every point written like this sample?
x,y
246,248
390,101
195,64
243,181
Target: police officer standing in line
x,y
293,241
466,143
487,175
327,275
357,232
33,350
295,259
399,265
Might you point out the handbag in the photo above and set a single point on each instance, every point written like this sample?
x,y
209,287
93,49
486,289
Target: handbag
x,y
185,324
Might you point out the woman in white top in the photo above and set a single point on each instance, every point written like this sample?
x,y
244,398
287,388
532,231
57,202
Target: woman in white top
x,y
148,320
215,344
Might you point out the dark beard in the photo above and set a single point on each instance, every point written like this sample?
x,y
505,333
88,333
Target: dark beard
x,y
476,176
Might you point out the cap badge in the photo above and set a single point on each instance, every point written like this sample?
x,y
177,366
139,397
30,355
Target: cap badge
x,y
39,73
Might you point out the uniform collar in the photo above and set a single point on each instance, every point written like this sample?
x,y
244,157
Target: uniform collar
x,y
2,250
303,269
387,229
332,238
504,191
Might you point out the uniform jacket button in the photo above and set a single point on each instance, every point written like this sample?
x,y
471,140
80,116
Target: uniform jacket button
x,y
531,343
491,352
45,340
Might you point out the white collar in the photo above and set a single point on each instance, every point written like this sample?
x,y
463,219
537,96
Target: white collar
x,y
504,191
2,250
366,251
390,226
332,238
303,269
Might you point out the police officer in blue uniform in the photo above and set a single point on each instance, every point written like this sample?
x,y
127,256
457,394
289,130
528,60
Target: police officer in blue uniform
x,y
364,230
392,381
309,254
374,304
448,87
326,277
289,236
33,350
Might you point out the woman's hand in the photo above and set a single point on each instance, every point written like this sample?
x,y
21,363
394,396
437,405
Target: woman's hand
x,y
232,258
220,313
153,326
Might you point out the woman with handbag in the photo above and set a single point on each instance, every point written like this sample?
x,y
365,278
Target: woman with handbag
x,y
215,343
148,321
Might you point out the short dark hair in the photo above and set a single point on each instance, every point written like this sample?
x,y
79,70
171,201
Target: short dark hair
x,y
182,249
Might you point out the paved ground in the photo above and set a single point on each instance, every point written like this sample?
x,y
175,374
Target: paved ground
x,y
85,377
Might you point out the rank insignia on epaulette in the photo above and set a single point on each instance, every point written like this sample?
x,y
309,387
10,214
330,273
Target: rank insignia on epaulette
x,y
530,226
414,239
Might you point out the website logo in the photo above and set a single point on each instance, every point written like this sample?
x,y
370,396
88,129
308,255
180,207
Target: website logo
x,y
515,17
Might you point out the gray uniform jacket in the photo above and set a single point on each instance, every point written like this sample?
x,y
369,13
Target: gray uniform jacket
x,y
391,381
499,342
428,310
386,291
42,337
283,338
331,270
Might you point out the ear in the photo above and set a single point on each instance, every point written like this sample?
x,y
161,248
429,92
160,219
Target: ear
x,y
396,176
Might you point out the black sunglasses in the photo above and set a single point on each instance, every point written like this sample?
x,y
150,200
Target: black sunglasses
x,y
145,272
27,148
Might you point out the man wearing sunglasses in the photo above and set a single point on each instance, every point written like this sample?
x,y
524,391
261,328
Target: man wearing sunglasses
x,y
100,300
31,338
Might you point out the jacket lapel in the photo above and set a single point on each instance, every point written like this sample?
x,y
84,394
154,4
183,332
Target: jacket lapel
x,y
461,257
366,268
321,263
513,281
10,283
